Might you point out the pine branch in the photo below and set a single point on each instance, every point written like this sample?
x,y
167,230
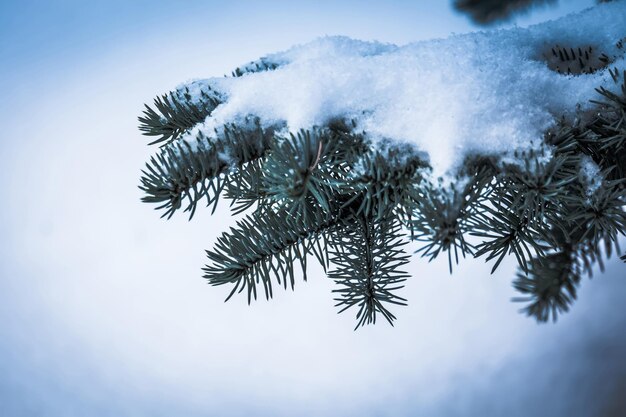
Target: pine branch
x,y
601,218
550,282
504,232
244,187
550,286
344,197
528,203
535,189
368,258
440,222
605,137
489,11
302,171
589,215
267,245
177,112
386,178
183,171
263,64
442,217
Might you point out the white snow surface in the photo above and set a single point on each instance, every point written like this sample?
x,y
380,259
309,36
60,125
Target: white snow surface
x,y
483,93
590,175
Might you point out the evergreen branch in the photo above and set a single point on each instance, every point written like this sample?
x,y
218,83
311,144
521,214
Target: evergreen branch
x,y
302,171
576,60
175,113
534,190
440,222
367,257
549,286
263,64
503,231
602,216
182,171
551,280
605,137
298,173
441,217
525,213
337,195
265,245
386,178
488,11
244,187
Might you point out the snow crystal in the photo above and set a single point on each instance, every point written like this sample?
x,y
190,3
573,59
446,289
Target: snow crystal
x,y
486,93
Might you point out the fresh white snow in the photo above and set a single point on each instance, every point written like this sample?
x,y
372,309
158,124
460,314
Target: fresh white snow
x,y
590,175
484,93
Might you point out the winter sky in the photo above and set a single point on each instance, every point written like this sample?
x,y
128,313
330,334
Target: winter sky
x,y
103,311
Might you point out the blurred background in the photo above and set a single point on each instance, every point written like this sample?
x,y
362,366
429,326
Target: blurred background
x,y
103,311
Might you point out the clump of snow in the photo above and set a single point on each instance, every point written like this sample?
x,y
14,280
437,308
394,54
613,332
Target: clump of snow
x,y
590,175
487,93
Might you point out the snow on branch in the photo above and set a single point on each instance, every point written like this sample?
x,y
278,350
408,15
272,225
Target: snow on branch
x,y
507,143
487,93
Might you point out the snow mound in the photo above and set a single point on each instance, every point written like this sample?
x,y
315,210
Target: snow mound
x,y
486,93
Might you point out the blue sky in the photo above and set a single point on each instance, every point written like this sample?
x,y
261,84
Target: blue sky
x,y
102,308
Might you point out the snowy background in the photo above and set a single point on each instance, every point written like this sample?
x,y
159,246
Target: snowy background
x,y
103,311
